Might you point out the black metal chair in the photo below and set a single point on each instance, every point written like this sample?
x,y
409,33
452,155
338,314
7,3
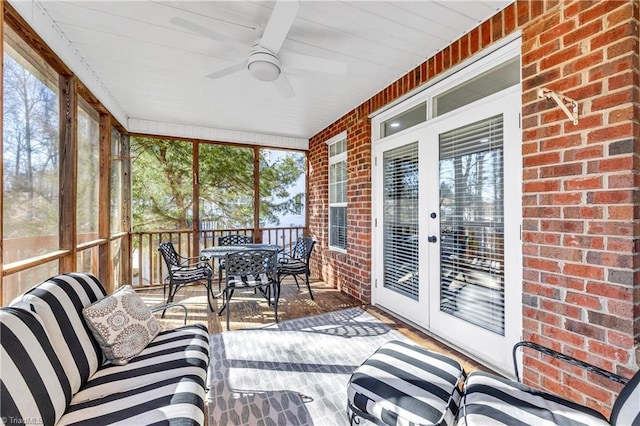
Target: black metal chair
x,y
185,270
230,240
251,269
296,262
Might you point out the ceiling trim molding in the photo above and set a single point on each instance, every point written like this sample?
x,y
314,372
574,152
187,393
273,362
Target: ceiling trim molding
x,y
136,125
41,23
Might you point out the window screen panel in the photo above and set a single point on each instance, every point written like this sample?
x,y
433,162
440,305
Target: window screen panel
x,y
338,227
400,218
338,182
472,223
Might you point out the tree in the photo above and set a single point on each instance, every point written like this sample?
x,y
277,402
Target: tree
x,y
30,152
162,184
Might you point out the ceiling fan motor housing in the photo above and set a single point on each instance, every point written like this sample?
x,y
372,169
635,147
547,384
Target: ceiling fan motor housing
x,y
263,64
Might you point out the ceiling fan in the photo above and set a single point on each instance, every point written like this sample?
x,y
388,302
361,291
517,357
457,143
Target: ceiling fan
x,y
266,60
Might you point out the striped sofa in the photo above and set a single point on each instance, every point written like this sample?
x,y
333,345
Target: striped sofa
x,y
52,370
404,384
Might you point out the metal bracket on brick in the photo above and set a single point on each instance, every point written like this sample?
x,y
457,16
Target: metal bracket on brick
x,y
563,102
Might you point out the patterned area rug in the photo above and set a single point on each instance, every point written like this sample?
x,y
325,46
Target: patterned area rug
x,y
292,373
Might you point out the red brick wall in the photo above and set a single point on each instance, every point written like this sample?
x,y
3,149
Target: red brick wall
x,y
580,194
580,198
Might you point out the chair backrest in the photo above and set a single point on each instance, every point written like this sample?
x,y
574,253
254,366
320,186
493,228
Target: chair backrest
x,y
169,254
626,410
234,240
251,262
303,248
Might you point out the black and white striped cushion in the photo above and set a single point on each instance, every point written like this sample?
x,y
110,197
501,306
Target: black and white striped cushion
x,y
292,267
166,381
59,302
493,400
402,383
626,410
248,280
33,384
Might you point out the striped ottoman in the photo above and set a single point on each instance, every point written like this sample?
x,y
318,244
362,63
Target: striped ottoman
x,y
405,384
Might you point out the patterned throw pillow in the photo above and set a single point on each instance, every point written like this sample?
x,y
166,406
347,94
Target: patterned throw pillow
x,y
122,324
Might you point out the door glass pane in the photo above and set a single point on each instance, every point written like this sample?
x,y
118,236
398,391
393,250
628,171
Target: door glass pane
x,y
400,218
404,120
472,223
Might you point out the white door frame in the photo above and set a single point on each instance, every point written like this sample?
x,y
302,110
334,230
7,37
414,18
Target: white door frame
x,y
470,338
415,311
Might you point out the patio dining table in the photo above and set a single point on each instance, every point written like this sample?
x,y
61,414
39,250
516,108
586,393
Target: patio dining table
x,y
219,252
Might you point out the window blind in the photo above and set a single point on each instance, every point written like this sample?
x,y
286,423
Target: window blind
x,y
338,204
472,223
400,218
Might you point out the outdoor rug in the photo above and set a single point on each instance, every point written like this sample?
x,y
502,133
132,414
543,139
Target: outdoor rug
x,y
292,373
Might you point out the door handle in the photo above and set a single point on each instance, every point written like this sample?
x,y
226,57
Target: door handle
x,y
432,239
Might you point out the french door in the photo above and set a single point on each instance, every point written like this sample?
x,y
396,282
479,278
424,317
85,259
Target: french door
x,y
447,204
397,275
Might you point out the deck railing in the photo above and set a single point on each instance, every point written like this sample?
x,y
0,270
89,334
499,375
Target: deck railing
x,y
148,268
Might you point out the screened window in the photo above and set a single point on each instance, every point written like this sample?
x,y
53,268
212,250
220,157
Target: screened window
x,y
472,223
118,155
338,194
30,152
226,187
282,188
117,181
162,184
88,171
30,155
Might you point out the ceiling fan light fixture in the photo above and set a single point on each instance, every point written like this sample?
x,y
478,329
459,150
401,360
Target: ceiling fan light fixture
x,y
264,65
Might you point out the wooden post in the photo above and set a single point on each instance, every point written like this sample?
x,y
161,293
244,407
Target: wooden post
x,y
125,154
105,266
68,171
257,235
195,164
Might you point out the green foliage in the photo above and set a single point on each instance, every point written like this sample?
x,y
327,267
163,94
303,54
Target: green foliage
x,y
161,183
278,194
163,194
226,185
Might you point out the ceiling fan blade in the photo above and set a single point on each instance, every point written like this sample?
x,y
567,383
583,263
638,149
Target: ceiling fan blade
x,y
207,32
280,21
312,63
229,70
284,86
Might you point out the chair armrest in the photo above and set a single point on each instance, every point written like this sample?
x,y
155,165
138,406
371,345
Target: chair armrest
x,y
286,256
171,305
186,259
566,358
192,266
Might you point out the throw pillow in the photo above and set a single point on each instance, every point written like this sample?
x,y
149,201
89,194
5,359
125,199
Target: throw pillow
x,y
122,324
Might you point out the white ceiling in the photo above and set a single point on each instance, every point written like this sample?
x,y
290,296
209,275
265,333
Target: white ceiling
x,y
150,73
